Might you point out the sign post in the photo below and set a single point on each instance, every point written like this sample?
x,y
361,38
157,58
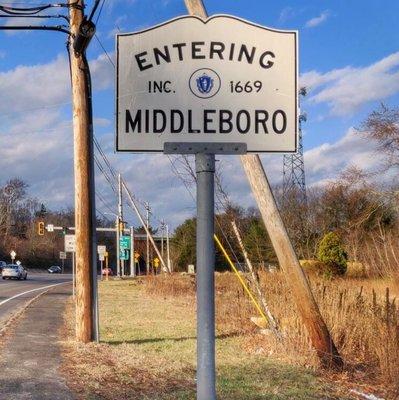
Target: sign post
x,y
132,262
63,258
205,169
70,243
13,254
101,250
220,85
136,261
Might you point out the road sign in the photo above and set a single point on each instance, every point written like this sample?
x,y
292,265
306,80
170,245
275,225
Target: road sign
x,y
13,254
70,243
101,249
50,228
63,255
191,269
136,256
156,262
101,256
223,80
124,255
124,243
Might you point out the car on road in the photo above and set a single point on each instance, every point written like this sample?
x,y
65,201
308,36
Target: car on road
x,y
55,269
2,265
14,271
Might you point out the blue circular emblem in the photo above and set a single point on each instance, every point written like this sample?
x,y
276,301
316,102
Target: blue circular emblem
x,y
204,83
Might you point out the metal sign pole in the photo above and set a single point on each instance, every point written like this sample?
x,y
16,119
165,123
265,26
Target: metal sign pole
x,y
117,248
132,266
205,169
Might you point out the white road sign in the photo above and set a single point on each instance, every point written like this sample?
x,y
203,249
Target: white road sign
x,y
70,244
223,80
101,256
50,228
13,254
101,249
63,255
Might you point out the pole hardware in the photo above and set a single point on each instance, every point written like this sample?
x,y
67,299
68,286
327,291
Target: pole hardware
x,y
86,31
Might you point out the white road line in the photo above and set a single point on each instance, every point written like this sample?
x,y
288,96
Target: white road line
x,y
29,291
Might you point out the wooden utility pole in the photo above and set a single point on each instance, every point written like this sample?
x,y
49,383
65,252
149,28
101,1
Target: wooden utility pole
x,y
296,279
84,184
165,266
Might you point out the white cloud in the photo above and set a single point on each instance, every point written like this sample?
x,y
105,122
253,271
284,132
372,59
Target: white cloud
x,y
20,22
327,161
345,90
38,146
286,14
316,21
22,88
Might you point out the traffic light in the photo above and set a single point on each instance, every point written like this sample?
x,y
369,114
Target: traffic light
x,y
40,228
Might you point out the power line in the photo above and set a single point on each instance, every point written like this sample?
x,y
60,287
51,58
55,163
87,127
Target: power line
x,y
105,174
99,13
105,158
103,215
105,51
31,11
104,202
97,2
177,173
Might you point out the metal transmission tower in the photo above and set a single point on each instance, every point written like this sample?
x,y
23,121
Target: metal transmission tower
x,y
294,167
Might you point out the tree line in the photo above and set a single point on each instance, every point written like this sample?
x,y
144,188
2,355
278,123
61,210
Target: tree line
x,y
359,207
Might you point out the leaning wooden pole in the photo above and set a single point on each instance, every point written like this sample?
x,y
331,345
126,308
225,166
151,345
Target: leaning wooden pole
x,y
303,297
296,278
84,183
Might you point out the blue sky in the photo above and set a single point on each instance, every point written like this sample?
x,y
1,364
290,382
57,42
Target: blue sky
x,y
349,60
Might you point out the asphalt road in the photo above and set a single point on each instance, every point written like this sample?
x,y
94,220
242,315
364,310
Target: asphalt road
x,y
15,294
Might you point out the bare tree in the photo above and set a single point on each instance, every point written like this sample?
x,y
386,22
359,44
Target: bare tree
x,y
382,126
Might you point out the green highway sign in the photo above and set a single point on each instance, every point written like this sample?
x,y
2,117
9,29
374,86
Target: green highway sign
x,y
124,255
124,243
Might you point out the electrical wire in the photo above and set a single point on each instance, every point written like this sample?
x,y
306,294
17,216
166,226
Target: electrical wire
x,y
99,13
105,51
105,174
103,215
29,11
105,158
100,197
55,16
177,173
97,2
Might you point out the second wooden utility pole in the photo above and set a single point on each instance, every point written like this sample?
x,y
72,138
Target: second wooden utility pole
x,y
296,279
86,274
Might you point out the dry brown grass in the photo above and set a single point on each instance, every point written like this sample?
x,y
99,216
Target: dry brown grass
x,y
148,350
361,314
120,367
